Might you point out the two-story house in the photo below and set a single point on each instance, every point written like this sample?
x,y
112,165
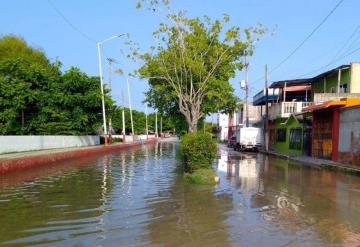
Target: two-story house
x,y
337,83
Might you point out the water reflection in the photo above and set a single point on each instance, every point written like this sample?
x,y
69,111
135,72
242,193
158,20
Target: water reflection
x,y
287,203
138,198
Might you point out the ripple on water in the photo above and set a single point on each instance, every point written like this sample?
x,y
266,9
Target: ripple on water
x,y
137,198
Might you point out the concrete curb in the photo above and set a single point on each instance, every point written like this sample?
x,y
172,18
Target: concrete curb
x,y
8,165
317,163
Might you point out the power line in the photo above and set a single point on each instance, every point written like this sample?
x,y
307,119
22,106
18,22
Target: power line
x,y
304,41
308,37
340,51
69,23
332,62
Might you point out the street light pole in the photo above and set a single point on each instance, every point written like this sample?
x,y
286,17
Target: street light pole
x,y
156,126
246,93
146,122
102,94
123,115
102,83
131,116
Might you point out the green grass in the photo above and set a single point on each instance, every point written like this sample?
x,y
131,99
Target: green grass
x,y
201,176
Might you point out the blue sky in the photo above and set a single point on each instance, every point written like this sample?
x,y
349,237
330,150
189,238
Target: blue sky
x,y
292,21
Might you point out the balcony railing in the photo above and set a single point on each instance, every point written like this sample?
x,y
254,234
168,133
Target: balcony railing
x,y
285,109
323,97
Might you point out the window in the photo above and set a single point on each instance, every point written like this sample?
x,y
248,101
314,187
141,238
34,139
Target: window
x,y
343,88
281,135
295,138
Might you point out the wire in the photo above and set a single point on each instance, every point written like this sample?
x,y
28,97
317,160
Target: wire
x,y
308,37
69,23
332,62
304,41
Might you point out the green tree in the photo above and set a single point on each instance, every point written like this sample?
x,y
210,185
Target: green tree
x,y
37,98
190,68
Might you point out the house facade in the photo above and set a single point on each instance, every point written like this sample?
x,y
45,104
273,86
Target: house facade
x,y
318,116
337,83
336,130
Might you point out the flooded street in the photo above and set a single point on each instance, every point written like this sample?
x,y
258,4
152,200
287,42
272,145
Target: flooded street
x,y
138,198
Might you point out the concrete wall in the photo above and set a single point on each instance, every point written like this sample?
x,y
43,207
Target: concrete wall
x,y
323,97
9,144
349,136
129,138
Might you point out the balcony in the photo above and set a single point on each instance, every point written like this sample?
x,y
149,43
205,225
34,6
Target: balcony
x,y
285,109
260,97
323,97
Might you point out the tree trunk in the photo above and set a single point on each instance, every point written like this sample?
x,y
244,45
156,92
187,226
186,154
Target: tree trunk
x,y
191,111
192,127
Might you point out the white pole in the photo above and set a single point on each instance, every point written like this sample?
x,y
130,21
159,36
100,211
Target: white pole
x,y
131,116
102,93
146,123
246,93
156,127
161,132
123,115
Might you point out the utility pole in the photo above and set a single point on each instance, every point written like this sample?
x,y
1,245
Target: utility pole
x,y
123,115
131,116
266,111
246,92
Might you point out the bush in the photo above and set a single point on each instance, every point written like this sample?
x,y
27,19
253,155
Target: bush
x,y
198,151
201,176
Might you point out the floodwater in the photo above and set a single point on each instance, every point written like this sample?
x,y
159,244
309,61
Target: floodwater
x,y
138,198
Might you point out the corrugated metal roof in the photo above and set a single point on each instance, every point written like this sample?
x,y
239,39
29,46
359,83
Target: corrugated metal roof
x,y
294,82
332,71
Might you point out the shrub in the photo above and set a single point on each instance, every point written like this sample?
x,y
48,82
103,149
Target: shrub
x,y
201,176
198,151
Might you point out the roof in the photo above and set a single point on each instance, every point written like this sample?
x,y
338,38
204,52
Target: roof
x,y
298,119
330,72
346,102
289,83
297,88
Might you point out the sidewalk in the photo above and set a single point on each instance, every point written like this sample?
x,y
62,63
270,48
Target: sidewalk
x,y
23,160
319,163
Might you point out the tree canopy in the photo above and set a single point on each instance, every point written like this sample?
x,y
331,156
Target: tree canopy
x,y
37,98
190,67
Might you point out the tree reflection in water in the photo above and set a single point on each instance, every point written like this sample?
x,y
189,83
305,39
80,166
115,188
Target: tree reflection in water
x,y
138,197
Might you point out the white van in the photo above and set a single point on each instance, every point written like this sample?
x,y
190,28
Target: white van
x,y
249,138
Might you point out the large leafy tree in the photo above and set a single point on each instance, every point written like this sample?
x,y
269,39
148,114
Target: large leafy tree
x,y
37,98
190,67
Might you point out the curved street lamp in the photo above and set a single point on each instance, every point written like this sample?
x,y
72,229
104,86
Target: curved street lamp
x,y
101,81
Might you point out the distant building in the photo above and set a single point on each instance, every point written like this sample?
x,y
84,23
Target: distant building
x,y
223,126
229,124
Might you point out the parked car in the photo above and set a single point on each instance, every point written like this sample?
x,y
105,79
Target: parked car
x,y
248,139
232,142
